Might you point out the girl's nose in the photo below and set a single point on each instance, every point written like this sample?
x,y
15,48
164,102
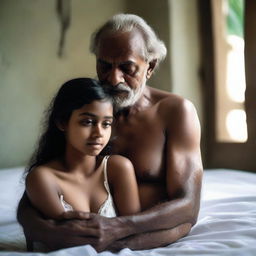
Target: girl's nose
x,y
97,130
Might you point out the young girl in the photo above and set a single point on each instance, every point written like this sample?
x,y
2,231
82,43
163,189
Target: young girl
x,y
67,173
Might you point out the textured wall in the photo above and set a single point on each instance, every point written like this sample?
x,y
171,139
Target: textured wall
x,y
31,71
157,16
185,51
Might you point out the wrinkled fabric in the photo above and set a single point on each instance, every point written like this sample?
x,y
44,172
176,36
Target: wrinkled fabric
x,y
226,223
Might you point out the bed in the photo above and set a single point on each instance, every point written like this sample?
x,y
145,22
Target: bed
x,y
226,223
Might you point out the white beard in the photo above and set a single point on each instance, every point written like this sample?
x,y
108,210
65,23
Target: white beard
x,y
131,95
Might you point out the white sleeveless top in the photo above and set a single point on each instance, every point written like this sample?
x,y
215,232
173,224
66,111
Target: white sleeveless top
x,y
107,209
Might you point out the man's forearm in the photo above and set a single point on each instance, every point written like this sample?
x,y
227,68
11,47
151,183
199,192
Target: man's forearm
x,y
30,219
181,208
163,216
24,214
153,239
55,235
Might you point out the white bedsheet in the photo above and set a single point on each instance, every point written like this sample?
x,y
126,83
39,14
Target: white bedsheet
x,y
226,223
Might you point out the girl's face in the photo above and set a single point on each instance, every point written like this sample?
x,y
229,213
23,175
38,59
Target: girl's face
x,y
89,128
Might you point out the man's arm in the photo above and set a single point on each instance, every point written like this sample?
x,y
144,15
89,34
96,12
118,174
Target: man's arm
x,y
152,239
183,181
184,174
55,234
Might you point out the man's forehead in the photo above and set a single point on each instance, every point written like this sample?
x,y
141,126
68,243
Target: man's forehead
x,y
120,62
116,35
127,45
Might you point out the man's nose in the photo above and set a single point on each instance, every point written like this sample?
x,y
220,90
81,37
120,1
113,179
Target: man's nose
x,y
115,77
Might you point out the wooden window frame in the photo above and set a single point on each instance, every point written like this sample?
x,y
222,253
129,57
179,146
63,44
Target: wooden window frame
x,y
221,154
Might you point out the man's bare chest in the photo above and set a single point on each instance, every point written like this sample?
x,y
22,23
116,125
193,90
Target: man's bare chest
x,y
142,140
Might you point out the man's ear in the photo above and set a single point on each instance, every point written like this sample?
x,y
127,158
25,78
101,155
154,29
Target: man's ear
x,y
152,65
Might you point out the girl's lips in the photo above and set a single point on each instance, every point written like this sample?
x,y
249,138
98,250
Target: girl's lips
x,y
94,144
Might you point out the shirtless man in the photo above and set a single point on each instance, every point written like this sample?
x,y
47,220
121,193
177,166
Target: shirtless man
x,y
158,131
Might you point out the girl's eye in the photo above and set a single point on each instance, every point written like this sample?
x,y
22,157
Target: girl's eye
x,y
107,124
87,122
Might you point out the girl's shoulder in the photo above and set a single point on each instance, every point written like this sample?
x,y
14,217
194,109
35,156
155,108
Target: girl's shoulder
x,y
42,172
119,167
118,161
41,178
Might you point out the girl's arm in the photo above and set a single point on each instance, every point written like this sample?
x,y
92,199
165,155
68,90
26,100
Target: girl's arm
x,y
42,191
122,179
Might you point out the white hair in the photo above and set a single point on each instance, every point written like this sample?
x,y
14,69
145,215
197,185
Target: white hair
x,y
154,48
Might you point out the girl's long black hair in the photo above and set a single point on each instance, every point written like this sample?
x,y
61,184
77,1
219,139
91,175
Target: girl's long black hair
x,y
72,95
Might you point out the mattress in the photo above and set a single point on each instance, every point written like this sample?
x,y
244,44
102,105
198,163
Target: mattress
x,y
226,223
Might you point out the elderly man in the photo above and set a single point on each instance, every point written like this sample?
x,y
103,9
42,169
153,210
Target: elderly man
x,y
158,131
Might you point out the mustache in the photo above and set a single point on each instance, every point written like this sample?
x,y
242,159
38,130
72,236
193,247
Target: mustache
x,y
116,90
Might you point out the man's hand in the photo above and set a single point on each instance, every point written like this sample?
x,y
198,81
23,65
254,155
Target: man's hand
x,y
62,234
70,231
74,229
99,231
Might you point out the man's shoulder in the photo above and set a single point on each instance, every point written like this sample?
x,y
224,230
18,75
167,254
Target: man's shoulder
x,y
167,101
158,94
172,107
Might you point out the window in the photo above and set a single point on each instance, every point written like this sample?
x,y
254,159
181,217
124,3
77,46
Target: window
x,y
228,60
228,43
